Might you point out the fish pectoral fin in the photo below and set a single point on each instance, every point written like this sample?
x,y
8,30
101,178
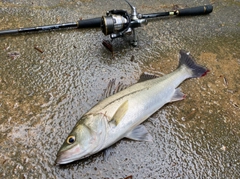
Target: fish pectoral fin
x,y
121,111
139,133
178,95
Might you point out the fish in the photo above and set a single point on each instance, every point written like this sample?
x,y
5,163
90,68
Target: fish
x,y
121,114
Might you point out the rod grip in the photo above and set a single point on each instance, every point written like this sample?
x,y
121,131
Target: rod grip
x,y
200,10
90,23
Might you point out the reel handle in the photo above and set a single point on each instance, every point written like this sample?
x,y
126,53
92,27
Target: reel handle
x,y
200,10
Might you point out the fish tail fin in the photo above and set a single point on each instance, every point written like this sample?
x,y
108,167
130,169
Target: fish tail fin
x,y
196,70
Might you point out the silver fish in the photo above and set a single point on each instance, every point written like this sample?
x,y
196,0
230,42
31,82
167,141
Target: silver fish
x,y
120,115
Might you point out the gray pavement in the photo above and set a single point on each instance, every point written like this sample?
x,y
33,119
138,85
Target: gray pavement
x,y
44,91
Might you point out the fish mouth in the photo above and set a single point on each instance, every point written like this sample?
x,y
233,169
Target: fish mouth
x,y
69,155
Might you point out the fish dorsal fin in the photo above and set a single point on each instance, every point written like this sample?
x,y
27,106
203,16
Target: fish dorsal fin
x,y
139,133
119,114
112,88
146,76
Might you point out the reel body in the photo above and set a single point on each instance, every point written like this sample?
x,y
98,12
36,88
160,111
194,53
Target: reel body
x,y
118,23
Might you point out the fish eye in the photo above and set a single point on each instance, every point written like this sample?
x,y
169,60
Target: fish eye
x,y
71,139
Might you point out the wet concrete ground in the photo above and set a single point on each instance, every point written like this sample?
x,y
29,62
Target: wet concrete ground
x,y
42,95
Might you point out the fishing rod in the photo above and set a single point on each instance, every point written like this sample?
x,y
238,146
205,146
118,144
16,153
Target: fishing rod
x,y
116,23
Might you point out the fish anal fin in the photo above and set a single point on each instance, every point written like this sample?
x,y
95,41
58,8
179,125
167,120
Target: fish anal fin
x,y
139,133
121,111
178,95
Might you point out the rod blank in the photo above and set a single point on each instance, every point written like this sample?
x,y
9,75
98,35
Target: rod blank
x,y
39,28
